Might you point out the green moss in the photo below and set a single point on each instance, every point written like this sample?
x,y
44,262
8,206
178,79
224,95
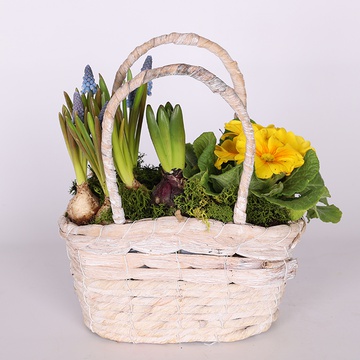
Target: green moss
x,y
104,215
138,205
221,212
196,202
159,210
147,175
136,202
263,213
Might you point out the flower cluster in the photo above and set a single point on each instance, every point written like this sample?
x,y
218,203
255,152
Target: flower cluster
x,y
78,107
277,150
89,83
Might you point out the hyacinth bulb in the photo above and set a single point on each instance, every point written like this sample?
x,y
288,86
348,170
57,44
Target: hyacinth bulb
x,y
89,83
83,207
171,185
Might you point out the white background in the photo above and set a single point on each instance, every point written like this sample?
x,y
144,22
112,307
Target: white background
x,y
301,63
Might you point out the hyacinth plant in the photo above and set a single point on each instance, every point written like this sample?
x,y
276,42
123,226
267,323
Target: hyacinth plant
x,y
127,130
74,124
168,137
81,124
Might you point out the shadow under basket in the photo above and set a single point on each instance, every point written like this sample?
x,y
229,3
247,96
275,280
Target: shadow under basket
x,y
170,281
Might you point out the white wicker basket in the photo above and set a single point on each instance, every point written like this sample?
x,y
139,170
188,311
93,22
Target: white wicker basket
x,y
169,280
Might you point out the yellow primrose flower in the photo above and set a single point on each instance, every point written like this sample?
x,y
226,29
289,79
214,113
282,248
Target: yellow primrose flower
x,y
297,142
233,128
277,151
273,157
228,151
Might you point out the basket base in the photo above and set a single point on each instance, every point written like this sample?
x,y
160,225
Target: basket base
x,y
155,290
179,335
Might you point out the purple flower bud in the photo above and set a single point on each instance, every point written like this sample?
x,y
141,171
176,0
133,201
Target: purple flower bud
x,y
78,106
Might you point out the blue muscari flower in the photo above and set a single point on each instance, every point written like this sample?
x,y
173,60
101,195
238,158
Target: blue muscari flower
x,y
130,99
147,63
78,106
146,66
102,112
88,81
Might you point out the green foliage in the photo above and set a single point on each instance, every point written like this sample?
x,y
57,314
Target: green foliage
x,y
300,192
197,202
126,135
272,201
167,135
209,193
147,175
199,156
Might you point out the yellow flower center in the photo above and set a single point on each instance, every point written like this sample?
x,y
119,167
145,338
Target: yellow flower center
x,y
267,157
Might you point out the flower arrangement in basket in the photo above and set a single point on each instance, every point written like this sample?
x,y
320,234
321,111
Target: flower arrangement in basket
x,y
199,247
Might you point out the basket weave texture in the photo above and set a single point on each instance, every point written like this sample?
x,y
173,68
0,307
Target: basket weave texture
x,y
172,280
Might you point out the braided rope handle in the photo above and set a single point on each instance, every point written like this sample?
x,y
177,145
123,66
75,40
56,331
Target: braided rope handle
x,y
215,85
189,39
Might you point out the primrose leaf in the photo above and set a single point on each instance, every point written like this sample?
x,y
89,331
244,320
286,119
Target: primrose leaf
x,y
305,200
207,159
204,147
301,177
328,213
203,141
191,167
267,187
227,179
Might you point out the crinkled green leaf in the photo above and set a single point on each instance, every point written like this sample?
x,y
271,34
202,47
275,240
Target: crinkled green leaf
x,y
227,179
301,177
266,186
306,199
327,213
191,167
203,141
204,147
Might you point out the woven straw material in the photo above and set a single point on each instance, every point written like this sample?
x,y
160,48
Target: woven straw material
x,y
171,281
175,279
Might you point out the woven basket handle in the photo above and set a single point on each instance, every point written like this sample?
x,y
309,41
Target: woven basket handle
x,y
217,86
189,39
